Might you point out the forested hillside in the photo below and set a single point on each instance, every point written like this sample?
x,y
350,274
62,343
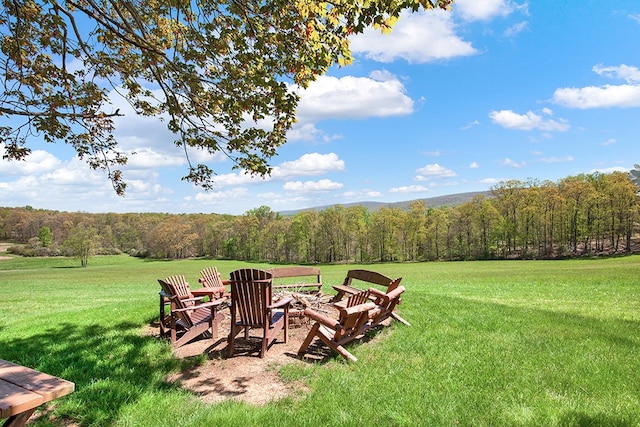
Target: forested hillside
x,y
584,215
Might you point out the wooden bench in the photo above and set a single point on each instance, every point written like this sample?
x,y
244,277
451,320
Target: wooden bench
x,y
296,279
353,321
386,299
369,278
23,389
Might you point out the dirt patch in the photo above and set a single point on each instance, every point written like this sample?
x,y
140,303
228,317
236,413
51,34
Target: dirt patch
x,y
3,249
245,376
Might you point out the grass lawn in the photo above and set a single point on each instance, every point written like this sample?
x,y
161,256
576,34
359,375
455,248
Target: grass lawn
x,y
499,343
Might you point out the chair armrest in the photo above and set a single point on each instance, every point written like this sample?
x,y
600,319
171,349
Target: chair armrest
x,y
379,296
281,303
322,319
194,299
358,308
396,292
214,304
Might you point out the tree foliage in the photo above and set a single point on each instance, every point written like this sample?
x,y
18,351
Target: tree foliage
x,y
45,236
221,73
82,243
583,215
634,175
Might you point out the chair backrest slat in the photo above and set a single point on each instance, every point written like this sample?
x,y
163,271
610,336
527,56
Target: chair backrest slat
x,y
250,295
357,299
180,285
173,292
210,277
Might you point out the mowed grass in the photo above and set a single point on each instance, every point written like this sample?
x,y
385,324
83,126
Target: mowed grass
x,y
513,343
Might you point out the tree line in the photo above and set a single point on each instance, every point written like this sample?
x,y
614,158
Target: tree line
x,y
583,215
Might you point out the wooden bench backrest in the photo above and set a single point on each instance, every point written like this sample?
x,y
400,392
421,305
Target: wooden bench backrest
x,y
297,271
373,278
301,272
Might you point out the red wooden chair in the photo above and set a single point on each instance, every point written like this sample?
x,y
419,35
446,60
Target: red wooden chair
x,y
189,317
252,306
210,278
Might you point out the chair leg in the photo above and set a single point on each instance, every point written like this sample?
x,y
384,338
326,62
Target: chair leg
x,y
231,340
310,336
338,348
174,332
213,326
399,319
286,326
265,340
217,321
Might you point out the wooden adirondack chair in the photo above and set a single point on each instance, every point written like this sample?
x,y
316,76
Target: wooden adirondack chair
x,y
252,306
352,322
181,290
189,318
210,278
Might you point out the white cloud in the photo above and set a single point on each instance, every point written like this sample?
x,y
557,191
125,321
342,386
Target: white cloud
x,y
240,178
470,125
557,159
598,96
70,186
624,95
305,165
529,121
474,165
609,141
435,153
609,170
473,10
147,158
216,197
627,73
409,189
312,186
39,161
512,163
516,29
417,37
492,181
433,171
353,97
351,195
309,164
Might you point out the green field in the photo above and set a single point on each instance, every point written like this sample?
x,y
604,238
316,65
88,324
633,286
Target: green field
x,y
497,343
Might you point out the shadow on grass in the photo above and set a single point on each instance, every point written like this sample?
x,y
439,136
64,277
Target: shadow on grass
x,y
110,366
578,419
319,352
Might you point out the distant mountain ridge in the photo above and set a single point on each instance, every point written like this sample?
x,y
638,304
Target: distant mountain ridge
x,y
431,202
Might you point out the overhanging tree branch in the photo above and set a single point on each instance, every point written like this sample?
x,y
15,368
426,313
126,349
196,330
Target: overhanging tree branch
x,y
222,67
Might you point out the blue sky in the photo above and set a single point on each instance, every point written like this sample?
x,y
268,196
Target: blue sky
x,y
449,102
